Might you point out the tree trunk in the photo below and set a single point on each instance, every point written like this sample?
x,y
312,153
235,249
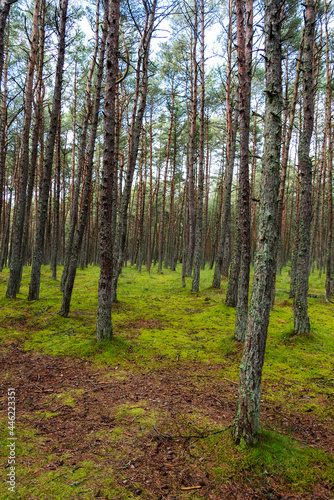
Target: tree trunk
x,y
300,314
246,425
329,278
110,156
139,105
164,187
200,190
245,39
3,19
191,151
56,203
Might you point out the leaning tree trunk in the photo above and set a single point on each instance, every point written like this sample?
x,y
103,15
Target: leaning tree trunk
x,y
246,425
81,158
48,161
300,314
103,320
138,111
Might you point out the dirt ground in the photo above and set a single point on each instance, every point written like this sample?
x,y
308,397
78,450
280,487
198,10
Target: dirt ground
x,y
151,460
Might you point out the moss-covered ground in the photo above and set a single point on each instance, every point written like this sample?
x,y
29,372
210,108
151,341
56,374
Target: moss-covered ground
x,y
146,415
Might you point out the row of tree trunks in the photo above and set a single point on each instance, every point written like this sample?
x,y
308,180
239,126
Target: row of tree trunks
x,y
138,110
81,158
34,286
230,156
16,257
87,189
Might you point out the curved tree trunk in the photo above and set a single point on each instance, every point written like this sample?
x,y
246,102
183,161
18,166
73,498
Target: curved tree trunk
x,y
246,425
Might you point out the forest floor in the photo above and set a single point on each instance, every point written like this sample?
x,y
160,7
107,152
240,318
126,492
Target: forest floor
x,y
148,414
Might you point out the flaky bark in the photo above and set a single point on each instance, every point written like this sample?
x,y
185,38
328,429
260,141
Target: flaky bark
x,y
245,39
246,425
103,320
300,314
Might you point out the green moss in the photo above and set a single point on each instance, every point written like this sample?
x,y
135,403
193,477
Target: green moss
x,y
158,324
299,466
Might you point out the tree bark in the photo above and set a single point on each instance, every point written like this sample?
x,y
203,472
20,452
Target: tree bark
x,y
246,425
245,43
200,188
103,320
300,314
329,277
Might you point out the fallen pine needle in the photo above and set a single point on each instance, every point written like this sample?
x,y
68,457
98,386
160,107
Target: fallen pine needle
x,y
236,383
191,487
